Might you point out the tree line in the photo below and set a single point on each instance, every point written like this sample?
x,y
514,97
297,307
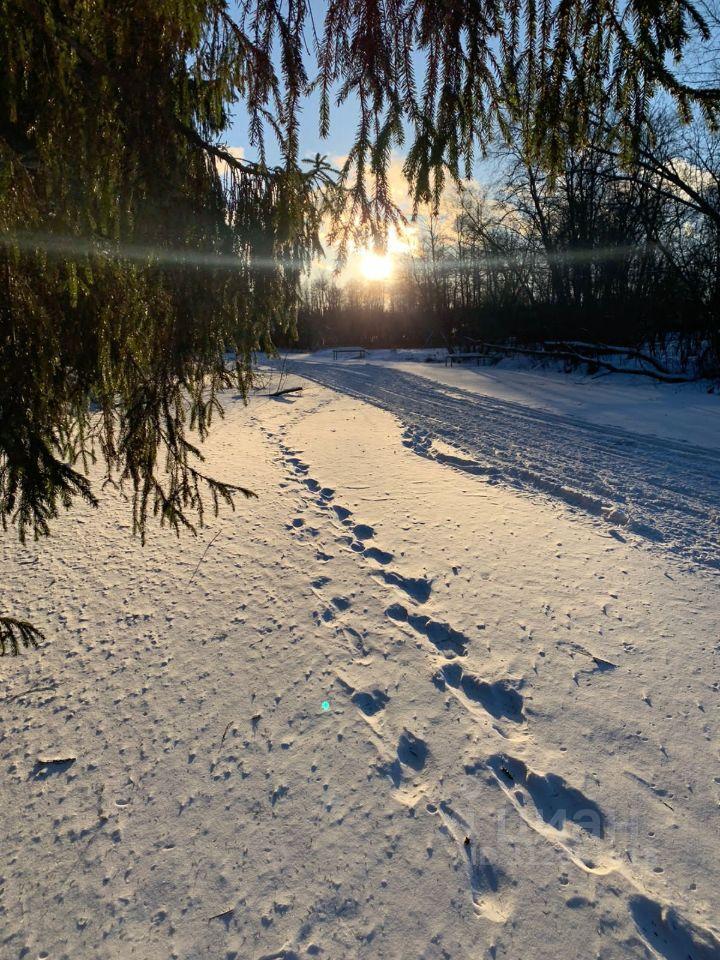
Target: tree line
x,y
604,249
136,249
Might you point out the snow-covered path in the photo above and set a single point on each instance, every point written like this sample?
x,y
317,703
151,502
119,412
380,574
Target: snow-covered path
x,y
388,711
662,490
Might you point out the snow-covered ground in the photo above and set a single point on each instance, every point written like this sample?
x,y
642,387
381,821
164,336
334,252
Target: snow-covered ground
x,y
429,696
689,412
538,433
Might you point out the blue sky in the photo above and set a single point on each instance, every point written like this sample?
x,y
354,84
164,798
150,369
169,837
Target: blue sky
x,y
343,123
343,119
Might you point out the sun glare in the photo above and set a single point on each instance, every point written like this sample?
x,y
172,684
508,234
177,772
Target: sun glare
x,y
375,267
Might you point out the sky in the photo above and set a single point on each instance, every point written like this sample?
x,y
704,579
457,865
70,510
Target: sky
x,y
343,118
361,264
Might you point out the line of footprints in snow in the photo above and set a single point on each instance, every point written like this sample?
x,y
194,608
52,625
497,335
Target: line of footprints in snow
x,y
549,805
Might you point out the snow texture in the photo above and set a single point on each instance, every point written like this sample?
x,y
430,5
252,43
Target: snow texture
x,y
664,490
519,755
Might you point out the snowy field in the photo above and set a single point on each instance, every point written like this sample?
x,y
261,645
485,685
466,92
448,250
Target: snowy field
x,y
643,456
448,689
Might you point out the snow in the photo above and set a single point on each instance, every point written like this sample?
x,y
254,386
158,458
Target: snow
x,y
519,756
688,413
655,486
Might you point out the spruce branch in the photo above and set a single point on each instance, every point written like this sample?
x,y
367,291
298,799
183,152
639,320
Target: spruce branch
x,y
16,634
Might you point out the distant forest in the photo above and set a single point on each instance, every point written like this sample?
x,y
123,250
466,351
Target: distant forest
x,y
607,250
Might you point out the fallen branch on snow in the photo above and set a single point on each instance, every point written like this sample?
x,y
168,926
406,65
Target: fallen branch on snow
x,y
605,364
280,393
224,915
606,348
203,557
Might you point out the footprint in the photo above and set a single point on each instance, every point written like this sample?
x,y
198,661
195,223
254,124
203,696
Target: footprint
x,y
47,767
342,513
371,702
563,814
670,935
600,665
486,880
327,493
448,640
355,639
312,484
320,582
417,588
381,556
555,801
341,603
363,532
412,751
500,699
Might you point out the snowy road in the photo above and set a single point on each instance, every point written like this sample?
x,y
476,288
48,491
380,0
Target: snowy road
x,y
664,491
388,709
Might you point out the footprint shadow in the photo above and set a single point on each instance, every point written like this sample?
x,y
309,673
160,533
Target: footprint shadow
x,y
488,883
555,801
668,934
441,635
500,698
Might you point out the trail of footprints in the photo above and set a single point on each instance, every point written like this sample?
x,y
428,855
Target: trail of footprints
x,y
501,700
556,810
359,539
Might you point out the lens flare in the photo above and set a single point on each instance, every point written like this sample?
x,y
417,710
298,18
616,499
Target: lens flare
x,y
375,267
73,247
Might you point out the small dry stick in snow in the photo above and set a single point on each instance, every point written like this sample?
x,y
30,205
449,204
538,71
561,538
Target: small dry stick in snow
x,y
223,915
203,557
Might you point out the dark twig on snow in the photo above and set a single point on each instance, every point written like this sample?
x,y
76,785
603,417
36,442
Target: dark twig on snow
x,y
224,915
203,557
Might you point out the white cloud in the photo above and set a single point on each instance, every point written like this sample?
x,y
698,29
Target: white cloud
x,y
222,166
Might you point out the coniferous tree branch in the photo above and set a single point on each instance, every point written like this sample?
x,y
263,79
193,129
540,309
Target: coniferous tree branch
x,y
136,249
16,634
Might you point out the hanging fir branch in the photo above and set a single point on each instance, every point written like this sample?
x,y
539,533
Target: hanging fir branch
x,y
136,249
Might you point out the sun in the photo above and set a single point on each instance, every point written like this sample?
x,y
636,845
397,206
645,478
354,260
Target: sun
x,y
375,267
